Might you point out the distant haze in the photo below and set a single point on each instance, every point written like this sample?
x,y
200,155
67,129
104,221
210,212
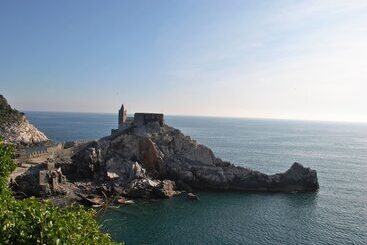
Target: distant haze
x,y
267,59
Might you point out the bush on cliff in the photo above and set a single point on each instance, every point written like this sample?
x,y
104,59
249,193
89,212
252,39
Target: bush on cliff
x,y
30,221
8,115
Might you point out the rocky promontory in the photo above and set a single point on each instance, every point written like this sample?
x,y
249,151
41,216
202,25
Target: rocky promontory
x,y
15,128
145,158
163,152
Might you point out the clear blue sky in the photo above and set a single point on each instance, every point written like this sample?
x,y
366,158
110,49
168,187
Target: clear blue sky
x,y
276,59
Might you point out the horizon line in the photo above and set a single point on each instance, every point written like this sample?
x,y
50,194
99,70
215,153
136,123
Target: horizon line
x,y
215,116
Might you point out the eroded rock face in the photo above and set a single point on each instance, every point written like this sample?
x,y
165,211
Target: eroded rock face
x,y
15,128
142,156
22,132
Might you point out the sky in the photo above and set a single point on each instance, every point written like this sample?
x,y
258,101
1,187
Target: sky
x,y
260,59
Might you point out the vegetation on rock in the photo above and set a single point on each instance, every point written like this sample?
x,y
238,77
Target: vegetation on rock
x,y
31,221
7,114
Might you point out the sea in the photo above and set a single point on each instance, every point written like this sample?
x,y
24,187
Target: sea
x,y
336,214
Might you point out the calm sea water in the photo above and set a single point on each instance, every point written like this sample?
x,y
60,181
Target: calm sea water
x,y
337,214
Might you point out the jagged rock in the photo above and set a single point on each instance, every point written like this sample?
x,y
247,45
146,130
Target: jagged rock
x,y
192,196
166,188
142,188
126,170
15,128
148,188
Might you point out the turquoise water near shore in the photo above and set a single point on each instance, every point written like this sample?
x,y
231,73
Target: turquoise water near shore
x,y
336,214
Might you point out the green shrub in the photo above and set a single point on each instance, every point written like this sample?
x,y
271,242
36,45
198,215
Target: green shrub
x,y
7,165
30,221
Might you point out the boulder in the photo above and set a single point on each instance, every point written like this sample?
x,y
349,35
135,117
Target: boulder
x,y
166,188
192,197
147,188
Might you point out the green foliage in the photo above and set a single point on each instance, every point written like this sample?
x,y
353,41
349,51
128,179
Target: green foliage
x,y
7,165
30,221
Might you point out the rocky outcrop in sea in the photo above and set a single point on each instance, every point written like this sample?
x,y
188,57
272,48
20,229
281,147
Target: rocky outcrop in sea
x,y
149,159
163,152
15,128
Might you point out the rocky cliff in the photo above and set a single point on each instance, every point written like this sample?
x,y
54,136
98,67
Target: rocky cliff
x,y
15,128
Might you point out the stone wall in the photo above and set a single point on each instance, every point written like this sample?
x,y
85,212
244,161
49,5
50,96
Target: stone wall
x,y
37,151
144,118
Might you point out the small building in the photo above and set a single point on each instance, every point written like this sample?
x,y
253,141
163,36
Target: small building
x,y
123,121
122,115
140,119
